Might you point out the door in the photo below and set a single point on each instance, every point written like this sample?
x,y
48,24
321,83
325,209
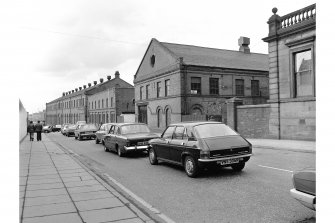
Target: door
x,y
142,114
177,144
163,146
109,137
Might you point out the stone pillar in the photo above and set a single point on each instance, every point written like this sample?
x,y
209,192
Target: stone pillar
x,y
232,103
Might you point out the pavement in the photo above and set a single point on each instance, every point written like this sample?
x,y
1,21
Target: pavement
x,y
56,187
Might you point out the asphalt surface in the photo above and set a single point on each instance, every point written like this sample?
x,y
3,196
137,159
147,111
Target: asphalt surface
x,y
260,193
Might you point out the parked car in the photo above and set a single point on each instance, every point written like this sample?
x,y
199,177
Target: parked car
x,y
102,131
80,122
69,131
56,128
196,145
304,187
63,128
47,128
128,137
85,131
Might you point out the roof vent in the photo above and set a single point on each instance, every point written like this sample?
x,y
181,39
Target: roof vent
x,y
101,80
117,74
95,82
244,42
109,77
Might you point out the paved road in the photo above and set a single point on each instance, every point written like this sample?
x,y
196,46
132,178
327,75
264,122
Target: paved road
x,y
260,193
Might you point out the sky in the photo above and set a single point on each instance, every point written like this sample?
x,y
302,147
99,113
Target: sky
x,y
56,46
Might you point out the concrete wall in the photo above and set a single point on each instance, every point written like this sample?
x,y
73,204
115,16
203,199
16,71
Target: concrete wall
x,y
253,120
23,119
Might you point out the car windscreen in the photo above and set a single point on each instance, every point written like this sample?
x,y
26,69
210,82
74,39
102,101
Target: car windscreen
x,y
83,127
213,130
130,129
72,126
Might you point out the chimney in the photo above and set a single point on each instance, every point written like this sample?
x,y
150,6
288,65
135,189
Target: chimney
x,y
76,89
84,86
244,42
89,84
63,93
117,74
80,88
95,82
69,92
109,77
101,80
72,91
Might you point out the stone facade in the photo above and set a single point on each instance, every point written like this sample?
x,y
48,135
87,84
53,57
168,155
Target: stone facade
x,y
292,114
164,82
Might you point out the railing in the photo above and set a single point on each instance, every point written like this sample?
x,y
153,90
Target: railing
x,y
298,16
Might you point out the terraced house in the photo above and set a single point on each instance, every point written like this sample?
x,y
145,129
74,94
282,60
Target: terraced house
x,y
176,82
100,102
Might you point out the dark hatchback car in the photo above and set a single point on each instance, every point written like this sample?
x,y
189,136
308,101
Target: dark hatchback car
x,y
85,131
128,137
196,145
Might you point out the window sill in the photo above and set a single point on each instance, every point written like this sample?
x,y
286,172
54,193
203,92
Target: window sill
x,y
298,99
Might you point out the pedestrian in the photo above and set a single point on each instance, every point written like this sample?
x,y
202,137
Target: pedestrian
x,y
38,129
31,130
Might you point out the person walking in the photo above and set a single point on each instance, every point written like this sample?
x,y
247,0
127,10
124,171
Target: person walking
x,y
38,129
31,130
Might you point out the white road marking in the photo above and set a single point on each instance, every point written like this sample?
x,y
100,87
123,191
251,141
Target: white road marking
x,y
276,168
140,200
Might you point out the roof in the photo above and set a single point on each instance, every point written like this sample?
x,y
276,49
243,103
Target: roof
x,y
203,56
194,123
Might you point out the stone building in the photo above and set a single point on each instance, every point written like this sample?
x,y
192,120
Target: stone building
x,y
108,101
291,41
73,106
176,82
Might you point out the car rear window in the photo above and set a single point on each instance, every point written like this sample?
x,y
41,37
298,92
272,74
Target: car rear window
x,y
91,126
129,129
213,130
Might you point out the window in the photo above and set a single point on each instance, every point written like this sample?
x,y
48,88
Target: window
x,y
195,85
141,91
159,89
152,60
111,101
178,133
102,103
213,85
167,88
99,104
159,118
254,87
239,87
95,104
303,77
168,132
147,91
107,102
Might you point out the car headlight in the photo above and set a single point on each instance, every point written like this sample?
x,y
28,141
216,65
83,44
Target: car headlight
x,y
204,154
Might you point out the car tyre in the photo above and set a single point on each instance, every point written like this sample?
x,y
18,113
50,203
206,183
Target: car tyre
x,y
152,157
119,151
238,166
106,149
80,138
96,141
191,167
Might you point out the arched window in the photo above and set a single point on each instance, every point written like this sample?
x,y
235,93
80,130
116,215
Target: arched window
x,y
159,118
167,117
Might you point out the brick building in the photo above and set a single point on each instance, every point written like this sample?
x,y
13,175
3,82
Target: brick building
x,y
73,106
108,101
291,41
177,82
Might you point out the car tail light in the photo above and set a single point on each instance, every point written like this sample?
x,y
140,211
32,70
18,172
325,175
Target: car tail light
x,y
204,154
128,143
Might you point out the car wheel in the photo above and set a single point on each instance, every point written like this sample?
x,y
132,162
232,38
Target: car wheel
x,y
238,166
80,138
191,167
106,149
152,157
119,152
96,141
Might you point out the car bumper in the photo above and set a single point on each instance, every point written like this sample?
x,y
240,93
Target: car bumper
x,y
87,135
136,148
224,158
306,199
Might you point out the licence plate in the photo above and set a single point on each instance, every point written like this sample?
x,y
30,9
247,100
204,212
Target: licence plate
x,y
230,161
142,143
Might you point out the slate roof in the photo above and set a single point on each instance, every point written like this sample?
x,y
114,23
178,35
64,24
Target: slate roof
x,y
211,57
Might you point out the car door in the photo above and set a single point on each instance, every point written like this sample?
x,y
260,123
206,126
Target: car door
x,y
162,147
177,144
100,132
108,138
